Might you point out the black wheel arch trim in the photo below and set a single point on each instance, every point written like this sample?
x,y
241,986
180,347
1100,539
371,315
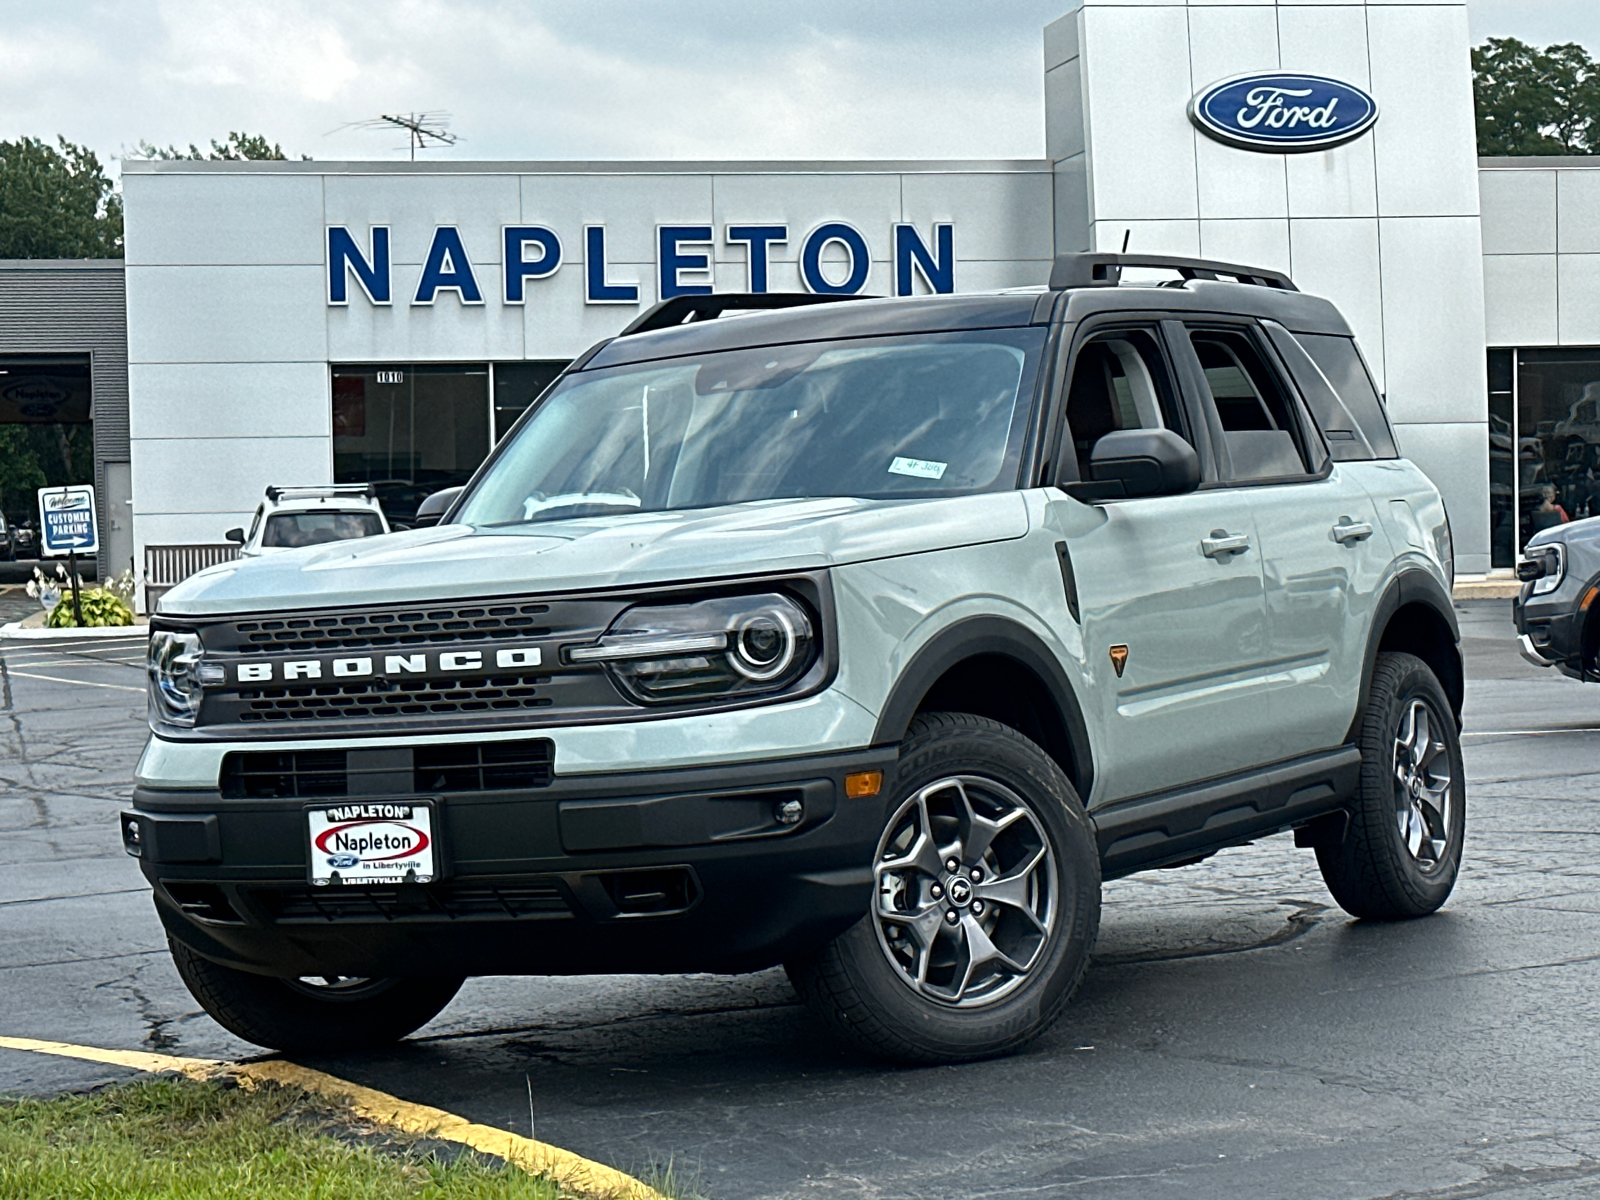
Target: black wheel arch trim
x,y
972,637
1411,586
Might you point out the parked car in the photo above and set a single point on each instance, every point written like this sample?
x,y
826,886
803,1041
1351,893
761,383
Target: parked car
x,y
8,544
290,518
863,637
24,540
1555,613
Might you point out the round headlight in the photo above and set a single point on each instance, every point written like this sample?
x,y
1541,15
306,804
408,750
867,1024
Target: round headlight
x,y
763,645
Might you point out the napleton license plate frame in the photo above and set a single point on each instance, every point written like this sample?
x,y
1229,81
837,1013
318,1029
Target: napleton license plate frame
x,y
379,818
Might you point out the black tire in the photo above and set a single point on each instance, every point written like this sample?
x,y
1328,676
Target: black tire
x,y
285,1014
854,985
1373,872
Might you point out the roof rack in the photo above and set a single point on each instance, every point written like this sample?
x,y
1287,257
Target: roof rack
x,y
316,490
1105,270
681,310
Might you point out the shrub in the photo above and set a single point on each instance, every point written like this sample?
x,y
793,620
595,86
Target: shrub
x,y
100,607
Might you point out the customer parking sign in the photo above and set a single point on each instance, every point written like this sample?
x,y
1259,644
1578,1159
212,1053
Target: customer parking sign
x,y
66,521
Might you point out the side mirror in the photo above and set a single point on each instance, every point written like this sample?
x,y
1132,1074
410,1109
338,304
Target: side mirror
x,y
1144,462
434,507
235,535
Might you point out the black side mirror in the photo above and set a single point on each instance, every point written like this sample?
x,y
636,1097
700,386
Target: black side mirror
x,y
434,507
235,535
1144,462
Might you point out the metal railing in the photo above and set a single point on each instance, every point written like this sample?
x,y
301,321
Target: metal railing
x,y
167,566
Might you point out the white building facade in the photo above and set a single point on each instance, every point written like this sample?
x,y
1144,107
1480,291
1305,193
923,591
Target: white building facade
x,y
385,322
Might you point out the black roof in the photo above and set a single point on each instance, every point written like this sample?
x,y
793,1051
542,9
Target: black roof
x,y
1083,285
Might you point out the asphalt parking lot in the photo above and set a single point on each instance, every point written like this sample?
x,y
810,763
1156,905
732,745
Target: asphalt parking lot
x,y
1237,1036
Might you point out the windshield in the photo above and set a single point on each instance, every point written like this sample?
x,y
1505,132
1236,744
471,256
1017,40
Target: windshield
x,y
289,530
923,415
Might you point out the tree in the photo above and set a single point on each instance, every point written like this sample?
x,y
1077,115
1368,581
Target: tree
x,y
1532,101
56,202
239,147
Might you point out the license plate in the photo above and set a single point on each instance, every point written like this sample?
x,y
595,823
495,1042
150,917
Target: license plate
x,y
371,843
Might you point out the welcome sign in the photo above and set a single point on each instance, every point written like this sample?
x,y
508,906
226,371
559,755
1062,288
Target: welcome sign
x,y
1279,112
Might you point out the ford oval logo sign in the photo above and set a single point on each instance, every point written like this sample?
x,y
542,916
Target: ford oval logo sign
x,y
1283,113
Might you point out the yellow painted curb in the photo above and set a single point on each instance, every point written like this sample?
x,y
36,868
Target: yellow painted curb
x,y
570,1170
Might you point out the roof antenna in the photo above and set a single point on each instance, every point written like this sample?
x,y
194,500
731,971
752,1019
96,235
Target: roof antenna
x,y
424,130
1126,234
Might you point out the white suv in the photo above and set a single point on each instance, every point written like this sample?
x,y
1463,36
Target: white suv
x,y
289,518
866,638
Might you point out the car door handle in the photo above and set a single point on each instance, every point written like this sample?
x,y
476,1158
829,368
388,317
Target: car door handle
x,y
1221,543
1347,531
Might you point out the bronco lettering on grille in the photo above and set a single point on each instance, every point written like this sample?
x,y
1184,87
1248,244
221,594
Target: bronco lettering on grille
x,y
447,662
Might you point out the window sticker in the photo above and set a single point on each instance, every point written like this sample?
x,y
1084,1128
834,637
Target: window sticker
x,y
917,468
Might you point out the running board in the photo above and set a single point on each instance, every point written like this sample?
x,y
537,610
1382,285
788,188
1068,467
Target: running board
x,y
1187,823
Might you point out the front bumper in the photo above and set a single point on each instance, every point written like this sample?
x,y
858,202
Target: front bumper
x,y
667,871
1550,628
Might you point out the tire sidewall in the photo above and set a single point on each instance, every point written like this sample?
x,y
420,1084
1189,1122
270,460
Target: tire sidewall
x,y
1413,681
948,1032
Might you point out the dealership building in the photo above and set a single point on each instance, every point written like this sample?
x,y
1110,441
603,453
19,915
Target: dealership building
x,y
298,322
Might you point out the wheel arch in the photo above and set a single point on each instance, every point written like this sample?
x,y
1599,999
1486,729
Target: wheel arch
x,y
1415,615
993,667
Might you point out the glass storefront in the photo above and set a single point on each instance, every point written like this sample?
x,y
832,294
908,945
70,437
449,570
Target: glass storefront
x,y
411,429
1544,442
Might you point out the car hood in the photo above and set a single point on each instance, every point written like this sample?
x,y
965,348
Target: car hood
x,y
459,562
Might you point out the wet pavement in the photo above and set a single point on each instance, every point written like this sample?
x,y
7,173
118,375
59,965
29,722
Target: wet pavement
x,y
1237,1036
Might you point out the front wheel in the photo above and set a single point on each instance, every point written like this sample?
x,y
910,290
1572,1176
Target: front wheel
x,y
985,906
1402,847
320,1014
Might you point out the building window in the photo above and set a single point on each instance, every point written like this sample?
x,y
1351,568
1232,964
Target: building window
x,y
1557,394
517,385
409,430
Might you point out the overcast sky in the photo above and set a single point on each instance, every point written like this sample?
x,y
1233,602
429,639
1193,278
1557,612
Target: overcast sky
x,y
601,79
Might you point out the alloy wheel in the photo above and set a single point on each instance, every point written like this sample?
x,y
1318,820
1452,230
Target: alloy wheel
x,y
965,900
1424,804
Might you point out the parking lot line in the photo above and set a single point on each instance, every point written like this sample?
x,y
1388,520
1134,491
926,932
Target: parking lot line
x,y
1530,732
118,687
571,1171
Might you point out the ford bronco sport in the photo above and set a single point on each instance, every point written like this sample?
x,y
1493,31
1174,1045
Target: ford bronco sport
x,y
863,637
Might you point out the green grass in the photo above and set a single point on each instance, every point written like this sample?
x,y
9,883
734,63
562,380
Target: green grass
x,y
176,1139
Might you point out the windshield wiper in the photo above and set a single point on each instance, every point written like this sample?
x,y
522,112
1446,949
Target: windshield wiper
x,y
536,507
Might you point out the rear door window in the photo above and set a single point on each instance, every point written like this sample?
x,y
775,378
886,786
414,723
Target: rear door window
x,y
1262,435
1362,418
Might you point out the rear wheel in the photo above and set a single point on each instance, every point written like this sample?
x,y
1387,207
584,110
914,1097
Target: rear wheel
x,y
323,1014
1401,851
985,906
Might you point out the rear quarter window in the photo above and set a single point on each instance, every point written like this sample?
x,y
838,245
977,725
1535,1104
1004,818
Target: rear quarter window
x,y
1362,419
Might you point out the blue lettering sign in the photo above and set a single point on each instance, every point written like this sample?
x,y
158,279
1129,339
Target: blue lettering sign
x,y
596,289
938,270
517,238
1281,113
818,240
756,239
671,262
344,256
447,269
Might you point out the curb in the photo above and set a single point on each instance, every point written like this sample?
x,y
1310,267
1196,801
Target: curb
x,y
18,632
569,1170
1487,589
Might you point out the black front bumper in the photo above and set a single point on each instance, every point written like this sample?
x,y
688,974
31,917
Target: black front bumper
x,y
1550,629
667,871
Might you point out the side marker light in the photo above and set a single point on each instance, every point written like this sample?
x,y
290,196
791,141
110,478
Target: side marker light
x,y
863,783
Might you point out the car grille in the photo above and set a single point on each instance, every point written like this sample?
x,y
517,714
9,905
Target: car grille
x,y
426,770
372,629
417,902
392,698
